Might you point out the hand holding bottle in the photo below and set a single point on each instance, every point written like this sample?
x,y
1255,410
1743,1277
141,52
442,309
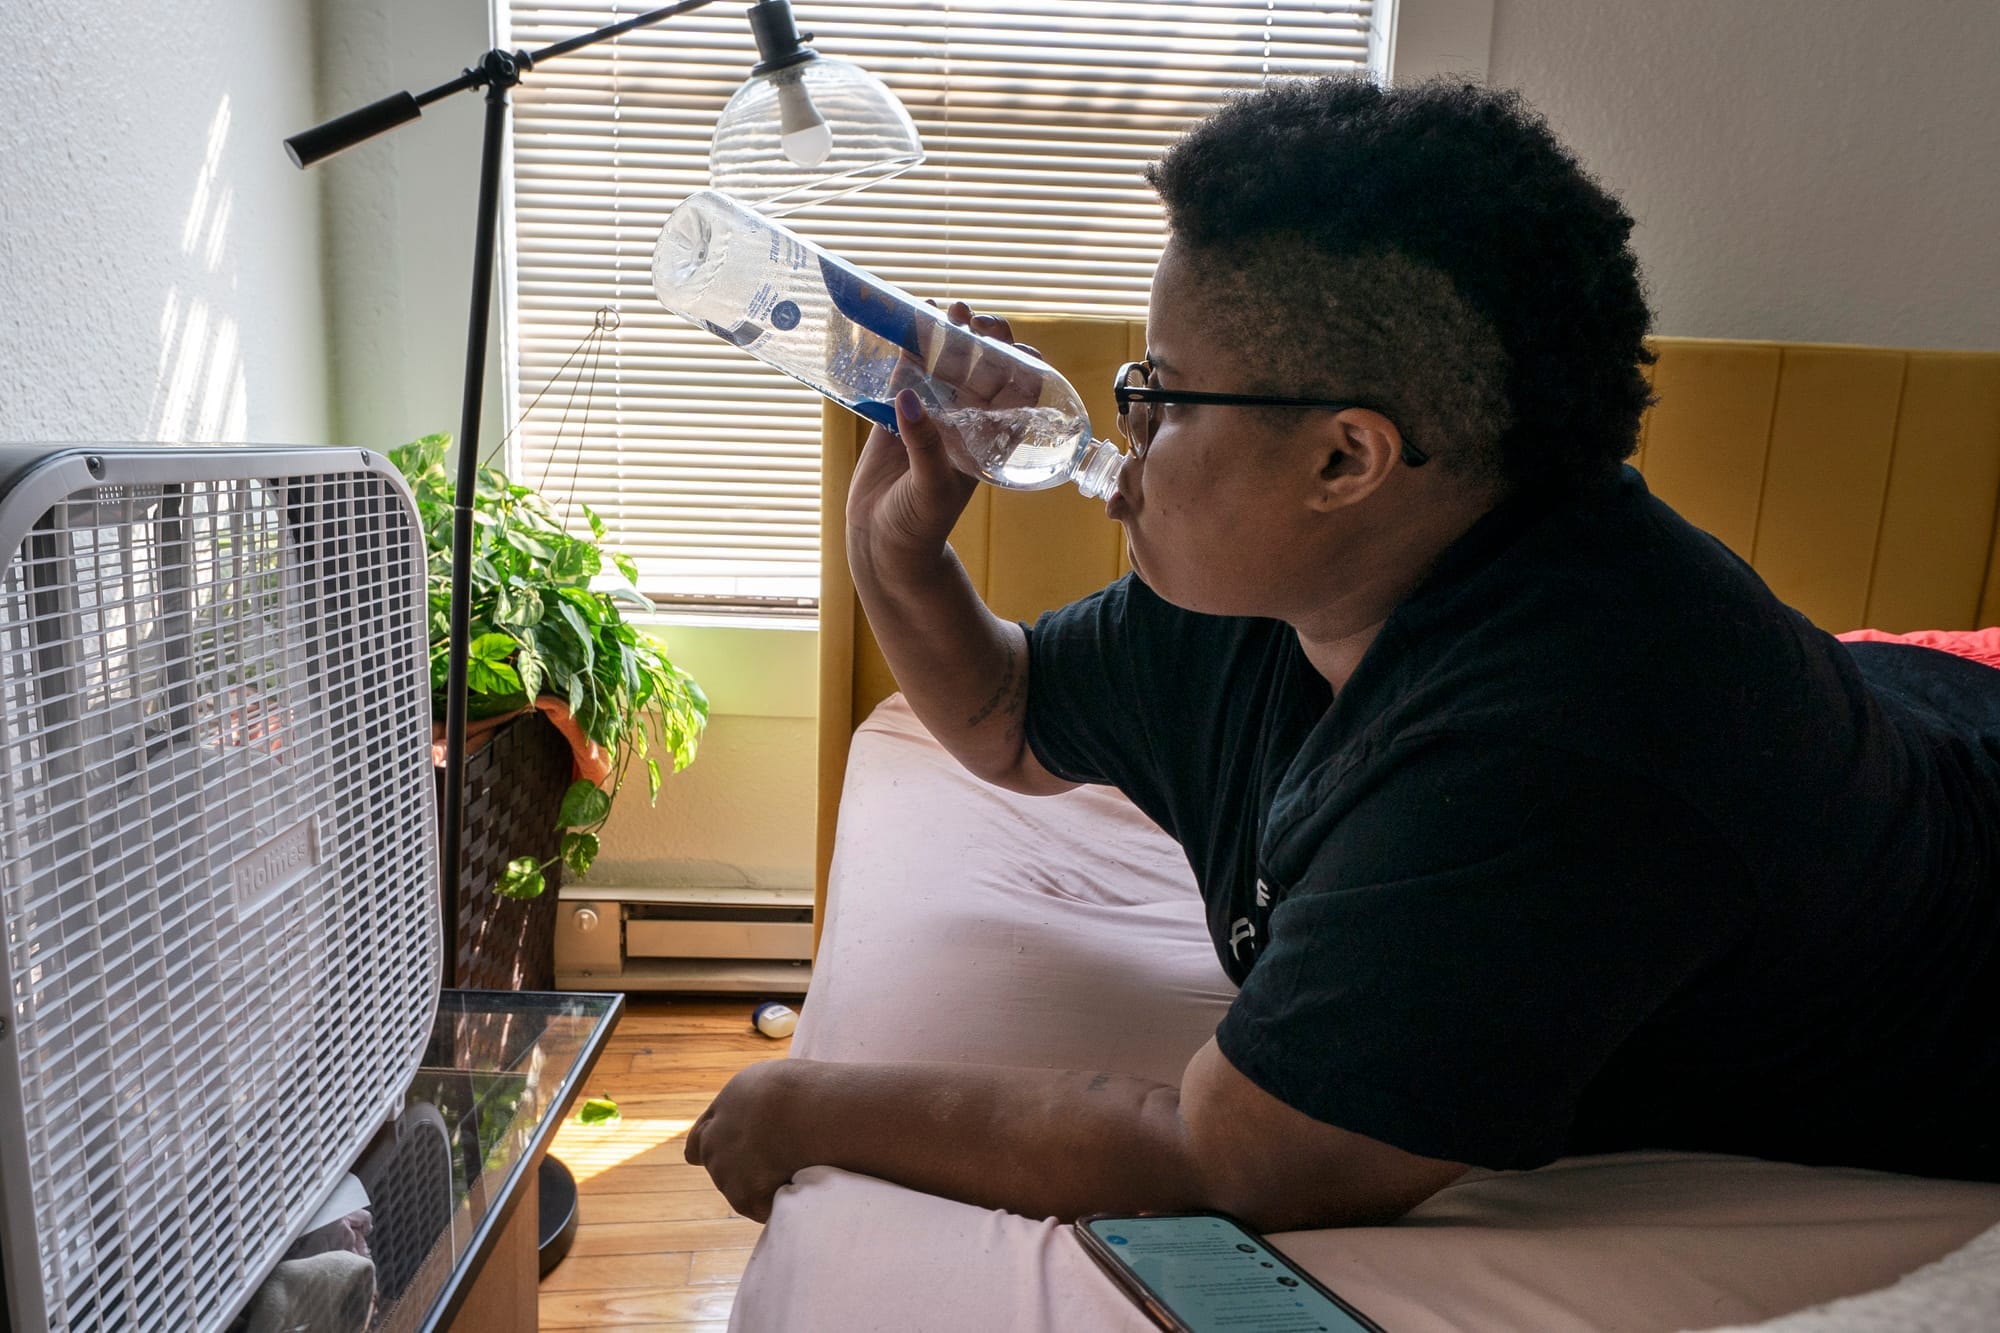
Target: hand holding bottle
x,y
986,387
907,493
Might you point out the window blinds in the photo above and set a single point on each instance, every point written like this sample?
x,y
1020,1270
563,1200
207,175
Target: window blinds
x,y
1038,117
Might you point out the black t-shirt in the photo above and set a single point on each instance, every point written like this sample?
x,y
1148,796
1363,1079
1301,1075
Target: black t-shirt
x,y
1602,847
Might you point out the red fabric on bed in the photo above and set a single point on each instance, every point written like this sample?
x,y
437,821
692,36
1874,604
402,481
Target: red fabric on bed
x,y
1981,645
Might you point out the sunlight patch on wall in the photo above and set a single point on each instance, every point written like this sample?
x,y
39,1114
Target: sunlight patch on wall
x,y
200,210
200,394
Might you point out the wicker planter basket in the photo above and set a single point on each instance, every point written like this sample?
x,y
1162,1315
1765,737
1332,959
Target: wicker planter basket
x,y
514,786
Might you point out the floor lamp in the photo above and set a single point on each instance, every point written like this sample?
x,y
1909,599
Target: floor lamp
x,y
801,129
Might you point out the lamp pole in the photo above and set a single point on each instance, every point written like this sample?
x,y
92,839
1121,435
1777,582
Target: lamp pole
x,y
504,72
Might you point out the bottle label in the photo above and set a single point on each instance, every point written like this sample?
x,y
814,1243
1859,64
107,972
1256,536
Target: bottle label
x,y
769,304
880,311
787,252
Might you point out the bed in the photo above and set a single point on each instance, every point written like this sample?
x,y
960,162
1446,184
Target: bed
x,y
963,923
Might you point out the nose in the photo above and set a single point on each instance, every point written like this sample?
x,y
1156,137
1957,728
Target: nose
x,y
1129,484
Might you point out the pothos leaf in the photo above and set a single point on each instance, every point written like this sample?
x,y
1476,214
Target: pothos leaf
x,y
522,540
584,805
522,880
492,647
598,1111
576,560
530,670
492,678
586,641
578,851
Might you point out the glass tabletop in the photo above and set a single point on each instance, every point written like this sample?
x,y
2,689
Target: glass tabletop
x,y
501,1070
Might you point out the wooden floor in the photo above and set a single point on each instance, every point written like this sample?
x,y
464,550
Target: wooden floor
x,y
657,1248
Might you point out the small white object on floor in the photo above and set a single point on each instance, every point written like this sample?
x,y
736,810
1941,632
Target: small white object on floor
x,y
774,1019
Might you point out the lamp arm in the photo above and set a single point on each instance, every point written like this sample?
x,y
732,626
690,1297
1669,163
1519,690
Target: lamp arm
x,y
324,140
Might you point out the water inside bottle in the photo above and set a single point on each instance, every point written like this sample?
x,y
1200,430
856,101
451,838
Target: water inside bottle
x,y
1025,447
1021,447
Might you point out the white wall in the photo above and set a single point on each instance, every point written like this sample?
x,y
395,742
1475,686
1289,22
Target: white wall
x,y
1821,170
159,255
400,213
743,813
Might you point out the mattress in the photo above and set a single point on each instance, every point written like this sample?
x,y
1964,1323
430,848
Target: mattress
x,y
969,924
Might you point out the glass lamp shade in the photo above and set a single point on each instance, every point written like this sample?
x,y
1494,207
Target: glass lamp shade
x,y
808,133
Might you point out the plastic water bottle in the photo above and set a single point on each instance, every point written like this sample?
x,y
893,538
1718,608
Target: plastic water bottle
x,y
1004,416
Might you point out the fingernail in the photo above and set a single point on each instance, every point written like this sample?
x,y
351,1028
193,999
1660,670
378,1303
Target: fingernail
x,y
908,403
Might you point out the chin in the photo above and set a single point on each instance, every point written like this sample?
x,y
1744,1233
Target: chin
x,y
1197,595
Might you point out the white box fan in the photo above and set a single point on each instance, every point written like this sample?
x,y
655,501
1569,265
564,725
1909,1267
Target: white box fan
x,y
218,864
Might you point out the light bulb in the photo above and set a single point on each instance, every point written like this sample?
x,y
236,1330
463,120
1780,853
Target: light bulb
x,y
802,132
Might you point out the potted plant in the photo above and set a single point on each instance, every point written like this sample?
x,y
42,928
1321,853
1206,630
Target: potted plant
x,y
549,641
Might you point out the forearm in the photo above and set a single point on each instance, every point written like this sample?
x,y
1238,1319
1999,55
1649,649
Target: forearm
x,y
1046,1143
962,668
1041,1143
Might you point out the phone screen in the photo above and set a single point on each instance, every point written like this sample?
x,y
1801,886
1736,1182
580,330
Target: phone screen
x,y
1214,1276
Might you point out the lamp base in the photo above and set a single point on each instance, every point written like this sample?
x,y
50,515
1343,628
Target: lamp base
x,y
558,1206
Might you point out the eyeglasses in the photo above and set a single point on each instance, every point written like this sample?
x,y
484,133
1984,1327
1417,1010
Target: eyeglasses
x,y
1134,386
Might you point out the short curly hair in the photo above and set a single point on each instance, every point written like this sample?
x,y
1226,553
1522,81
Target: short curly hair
x,y
1438,253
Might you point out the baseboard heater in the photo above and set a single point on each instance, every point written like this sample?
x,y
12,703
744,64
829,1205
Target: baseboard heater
x,y
730,939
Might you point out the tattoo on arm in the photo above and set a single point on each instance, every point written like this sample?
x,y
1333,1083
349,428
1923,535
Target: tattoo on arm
x,y
1017,707
1098,1084
1005,692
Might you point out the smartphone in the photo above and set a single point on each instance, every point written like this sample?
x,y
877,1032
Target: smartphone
x,y
1208,1273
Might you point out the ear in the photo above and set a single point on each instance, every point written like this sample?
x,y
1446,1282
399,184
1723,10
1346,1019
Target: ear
x,y
1355,450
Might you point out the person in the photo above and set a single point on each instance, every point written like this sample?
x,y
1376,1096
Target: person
x,y
1527,820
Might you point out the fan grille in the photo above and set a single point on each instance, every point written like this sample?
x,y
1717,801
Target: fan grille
x,y
217,871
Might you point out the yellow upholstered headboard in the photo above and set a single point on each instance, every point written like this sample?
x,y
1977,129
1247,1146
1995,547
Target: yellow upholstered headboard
x,y
1863,483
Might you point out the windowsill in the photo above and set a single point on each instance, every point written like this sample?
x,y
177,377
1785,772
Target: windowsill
x,y
671,617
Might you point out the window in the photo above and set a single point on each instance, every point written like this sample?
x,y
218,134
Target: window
x,y
1037,116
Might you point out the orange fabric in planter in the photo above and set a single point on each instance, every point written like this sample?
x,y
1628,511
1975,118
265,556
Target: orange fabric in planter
x,y
593,761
